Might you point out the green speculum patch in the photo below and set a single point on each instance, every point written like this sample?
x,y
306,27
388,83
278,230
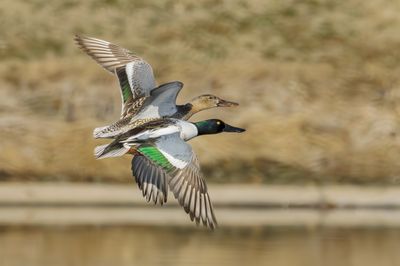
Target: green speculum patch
x,y
126,92
156,156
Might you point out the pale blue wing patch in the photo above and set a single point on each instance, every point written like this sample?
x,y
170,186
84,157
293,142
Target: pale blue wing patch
x,y
178,152
162,101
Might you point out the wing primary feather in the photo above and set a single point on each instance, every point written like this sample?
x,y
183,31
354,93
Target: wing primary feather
x,y
181,192
197,207
192,203
136,169
149,185
142,172
144,183
186,202
213,219
165,188
177,187
158,185
139,168
147,180
162,186
173,181
203,210
154,178
155,188
208,214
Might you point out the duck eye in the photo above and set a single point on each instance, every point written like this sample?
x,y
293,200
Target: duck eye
x,y
218,123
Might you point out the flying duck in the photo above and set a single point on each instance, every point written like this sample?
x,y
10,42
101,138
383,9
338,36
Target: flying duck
x,y
162,158
142,100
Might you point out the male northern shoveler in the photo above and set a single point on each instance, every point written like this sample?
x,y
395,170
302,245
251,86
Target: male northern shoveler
x,y
142,101
163,158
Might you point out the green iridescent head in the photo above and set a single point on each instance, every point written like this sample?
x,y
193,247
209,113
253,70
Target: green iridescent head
x,y
214,126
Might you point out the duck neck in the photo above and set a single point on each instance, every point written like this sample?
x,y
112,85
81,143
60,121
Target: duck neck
x,y
194,106
204,128
186,111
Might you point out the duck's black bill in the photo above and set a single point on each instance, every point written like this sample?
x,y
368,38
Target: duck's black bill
x,y
223,103
229,128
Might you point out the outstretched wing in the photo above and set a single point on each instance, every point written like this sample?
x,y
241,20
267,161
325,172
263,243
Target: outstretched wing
x,y
162,101
181,168
151,179
135,75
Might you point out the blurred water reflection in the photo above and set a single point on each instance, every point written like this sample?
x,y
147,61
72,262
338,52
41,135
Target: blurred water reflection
x,y
52,246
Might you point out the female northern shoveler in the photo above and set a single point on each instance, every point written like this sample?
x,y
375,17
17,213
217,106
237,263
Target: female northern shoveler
x,y
162,157
161,103
142,101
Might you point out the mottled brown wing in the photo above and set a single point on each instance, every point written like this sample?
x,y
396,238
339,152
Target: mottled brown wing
x,y
135,75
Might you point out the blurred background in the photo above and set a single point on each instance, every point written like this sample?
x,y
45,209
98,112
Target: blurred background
x,y
318,85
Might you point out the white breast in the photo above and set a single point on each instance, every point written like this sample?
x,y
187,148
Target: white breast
x,y
188,130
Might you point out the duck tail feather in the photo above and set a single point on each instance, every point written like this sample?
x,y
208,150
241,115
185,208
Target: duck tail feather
x,y
97,132
110,150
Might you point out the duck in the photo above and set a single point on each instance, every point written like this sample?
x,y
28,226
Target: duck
x,y
142,100
163,159
159,104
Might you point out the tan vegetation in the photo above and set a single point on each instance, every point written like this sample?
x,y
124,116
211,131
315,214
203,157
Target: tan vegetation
x,y
317,82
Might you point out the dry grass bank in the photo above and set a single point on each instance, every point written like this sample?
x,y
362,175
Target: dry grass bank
x,y
318,83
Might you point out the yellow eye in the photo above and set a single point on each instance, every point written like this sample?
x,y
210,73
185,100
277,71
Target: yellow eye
x,y
218,122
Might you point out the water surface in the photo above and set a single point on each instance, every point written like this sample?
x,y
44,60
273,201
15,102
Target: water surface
x,y
53,246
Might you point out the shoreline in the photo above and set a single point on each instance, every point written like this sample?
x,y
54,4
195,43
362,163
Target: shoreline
x,y
63,204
